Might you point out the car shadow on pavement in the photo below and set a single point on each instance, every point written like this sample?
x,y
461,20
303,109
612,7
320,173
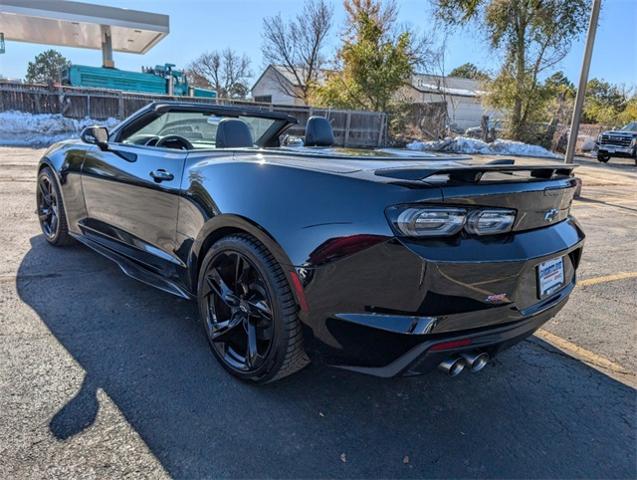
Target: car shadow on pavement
x,y
601,202
532,413
615,163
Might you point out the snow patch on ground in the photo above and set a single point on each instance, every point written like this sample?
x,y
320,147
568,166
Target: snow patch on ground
x,y
475,146
19,129
588,143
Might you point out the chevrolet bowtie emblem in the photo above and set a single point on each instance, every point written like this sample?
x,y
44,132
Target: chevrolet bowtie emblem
x,y
551,214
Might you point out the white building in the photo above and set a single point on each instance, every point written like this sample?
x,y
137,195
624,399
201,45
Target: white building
x,y
277,85
463,96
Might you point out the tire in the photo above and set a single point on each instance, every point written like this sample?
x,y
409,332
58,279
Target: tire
x,y
50,210
603,157
254,304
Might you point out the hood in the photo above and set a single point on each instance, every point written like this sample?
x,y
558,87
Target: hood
x,y
620,133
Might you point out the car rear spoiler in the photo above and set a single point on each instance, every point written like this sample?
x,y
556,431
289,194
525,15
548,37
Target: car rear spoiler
x,y
473,173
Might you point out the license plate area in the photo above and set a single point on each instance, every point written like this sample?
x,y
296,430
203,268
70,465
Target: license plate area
x,y
550,276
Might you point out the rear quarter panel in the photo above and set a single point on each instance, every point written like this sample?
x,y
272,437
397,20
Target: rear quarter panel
x,y
299,209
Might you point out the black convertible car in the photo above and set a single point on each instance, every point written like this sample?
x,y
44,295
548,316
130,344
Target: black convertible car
x,y
382,262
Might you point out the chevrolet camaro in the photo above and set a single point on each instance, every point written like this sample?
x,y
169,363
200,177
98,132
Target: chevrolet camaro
x,y
385,262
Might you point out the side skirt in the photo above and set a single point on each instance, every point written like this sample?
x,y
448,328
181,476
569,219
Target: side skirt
x,y
134,270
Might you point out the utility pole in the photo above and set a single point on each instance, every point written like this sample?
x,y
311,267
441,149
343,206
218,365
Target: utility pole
x,y
583,78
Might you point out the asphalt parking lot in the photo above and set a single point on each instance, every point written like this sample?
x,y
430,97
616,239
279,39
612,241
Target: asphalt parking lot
x,y
101,376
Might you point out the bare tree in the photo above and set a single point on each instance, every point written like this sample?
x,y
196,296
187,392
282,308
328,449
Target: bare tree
x,y
226,71
296,47
438,67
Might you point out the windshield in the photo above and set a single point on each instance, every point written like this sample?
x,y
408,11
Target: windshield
x,y
631,127
199,128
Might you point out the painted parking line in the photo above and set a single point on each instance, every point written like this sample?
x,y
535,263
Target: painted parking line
x,y
607,278
581,353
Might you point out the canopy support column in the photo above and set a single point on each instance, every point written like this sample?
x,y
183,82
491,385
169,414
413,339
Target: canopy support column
x,y
107,47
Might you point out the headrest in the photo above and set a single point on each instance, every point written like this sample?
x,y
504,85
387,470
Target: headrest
x,y
233,133
318,133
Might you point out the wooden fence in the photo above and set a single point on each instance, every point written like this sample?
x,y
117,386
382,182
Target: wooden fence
x,y
351,128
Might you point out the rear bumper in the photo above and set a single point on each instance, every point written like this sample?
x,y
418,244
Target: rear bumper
x,y
380,310
426,356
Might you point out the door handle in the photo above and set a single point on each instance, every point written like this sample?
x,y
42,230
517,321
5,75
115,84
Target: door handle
x,y
161,175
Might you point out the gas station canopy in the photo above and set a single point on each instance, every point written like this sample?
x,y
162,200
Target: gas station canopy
x,y
83,25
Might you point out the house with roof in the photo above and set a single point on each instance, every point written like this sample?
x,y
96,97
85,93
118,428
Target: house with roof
x,y
462,96
277,85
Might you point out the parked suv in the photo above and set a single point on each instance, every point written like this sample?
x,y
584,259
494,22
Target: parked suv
x,y
618,143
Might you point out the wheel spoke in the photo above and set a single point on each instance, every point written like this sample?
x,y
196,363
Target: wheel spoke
x,y
54,223
240,273
252,353
260,308
44,213
217,285
44,194
221,330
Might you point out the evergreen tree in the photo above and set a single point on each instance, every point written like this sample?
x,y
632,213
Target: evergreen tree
x,y
48,67
469,70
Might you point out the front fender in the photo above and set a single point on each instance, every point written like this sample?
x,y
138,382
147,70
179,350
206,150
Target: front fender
x,y
65,160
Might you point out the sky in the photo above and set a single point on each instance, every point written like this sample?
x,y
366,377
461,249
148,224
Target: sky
x,y
197,26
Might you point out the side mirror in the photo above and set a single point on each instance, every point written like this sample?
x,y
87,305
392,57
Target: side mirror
x,y
96,136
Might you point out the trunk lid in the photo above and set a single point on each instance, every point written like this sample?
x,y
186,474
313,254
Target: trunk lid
x,y
541,192
538,203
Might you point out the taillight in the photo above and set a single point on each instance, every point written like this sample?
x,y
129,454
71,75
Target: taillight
x,y
429,222
490,222
421,221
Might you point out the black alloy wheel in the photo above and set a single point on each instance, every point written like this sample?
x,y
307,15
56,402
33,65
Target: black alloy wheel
x,y
239,320
50,210
248,311
47,207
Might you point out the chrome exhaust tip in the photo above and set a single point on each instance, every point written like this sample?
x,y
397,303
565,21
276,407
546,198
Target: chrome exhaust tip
x,y
476,361
452,366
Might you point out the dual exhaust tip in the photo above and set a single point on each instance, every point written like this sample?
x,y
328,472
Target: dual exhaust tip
x,y
456,365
